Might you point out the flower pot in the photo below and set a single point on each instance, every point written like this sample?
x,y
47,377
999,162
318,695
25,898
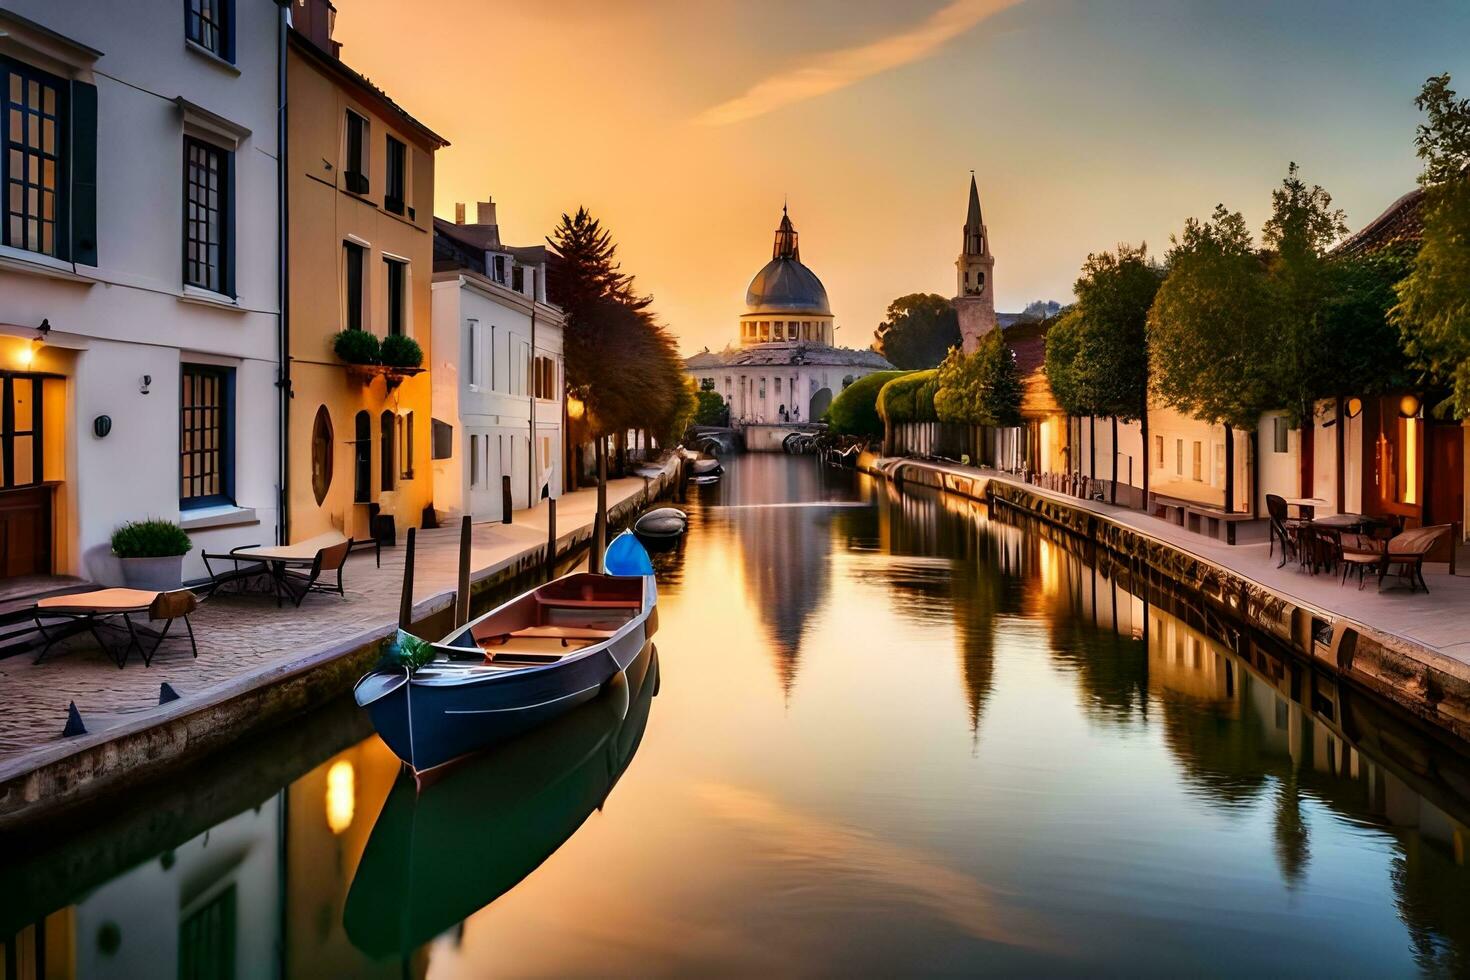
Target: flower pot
x,y
153,574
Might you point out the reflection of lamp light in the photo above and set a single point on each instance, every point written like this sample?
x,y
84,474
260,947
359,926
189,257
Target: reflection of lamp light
x,y
341,795
1409,406
575,408
1354,407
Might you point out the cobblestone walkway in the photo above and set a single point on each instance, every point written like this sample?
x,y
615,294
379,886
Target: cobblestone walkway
x,y
242,635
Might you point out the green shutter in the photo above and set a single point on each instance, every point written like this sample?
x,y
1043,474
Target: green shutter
x,y
84,173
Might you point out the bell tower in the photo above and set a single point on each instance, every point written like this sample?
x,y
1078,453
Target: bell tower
x,y
974,300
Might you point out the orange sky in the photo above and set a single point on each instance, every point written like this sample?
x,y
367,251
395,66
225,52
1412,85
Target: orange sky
x,y
682,125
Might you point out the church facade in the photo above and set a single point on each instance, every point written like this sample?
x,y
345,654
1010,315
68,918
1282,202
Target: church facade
x,y
785,367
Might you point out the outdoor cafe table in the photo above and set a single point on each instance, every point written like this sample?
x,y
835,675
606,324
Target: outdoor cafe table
x,y
1305,506
1344,522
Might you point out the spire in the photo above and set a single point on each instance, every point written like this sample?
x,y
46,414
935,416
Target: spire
x,y
785,246
974,224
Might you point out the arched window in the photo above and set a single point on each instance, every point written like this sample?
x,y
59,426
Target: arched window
x,y
362,469
386,434
321,454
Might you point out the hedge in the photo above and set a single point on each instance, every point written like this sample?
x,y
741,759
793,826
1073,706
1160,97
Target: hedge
x,y
854,412
909,398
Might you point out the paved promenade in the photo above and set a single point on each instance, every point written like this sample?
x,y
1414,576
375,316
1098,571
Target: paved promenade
x,y
245,641
1438,621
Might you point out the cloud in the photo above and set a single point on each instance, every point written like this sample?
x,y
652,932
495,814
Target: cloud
x,y
838,69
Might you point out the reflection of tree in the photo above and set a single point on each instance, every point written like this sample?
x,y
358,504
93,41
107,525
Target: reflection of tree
x,y
1292,837
1431,890
1222,755
1111,670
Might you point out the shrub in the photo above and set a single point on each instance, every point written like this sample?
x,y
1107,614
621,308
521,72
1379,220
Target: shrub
x,y
909,398
356,346
400,351
855,411
152,538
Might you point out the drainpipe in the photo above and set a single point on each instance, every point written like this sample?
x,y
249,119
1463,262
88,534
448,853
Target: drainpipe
x,y
531,447
283,341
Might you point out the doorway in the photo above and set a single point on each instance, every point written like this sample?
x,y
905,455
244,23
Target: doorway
x,y
25,494
1445,476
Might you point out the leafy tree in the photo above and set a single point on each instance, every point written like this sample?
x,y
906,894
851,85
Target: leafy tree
x,y
1209,327
1107,336
1302,226
854,412
1362,353
1063,345
980,388
710,409
909,398
918,330
1433,310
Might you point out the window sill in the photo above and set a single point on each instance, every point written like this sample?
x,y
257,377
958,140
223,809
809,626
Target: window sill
x,y
208,297
211,57
36,264
221,515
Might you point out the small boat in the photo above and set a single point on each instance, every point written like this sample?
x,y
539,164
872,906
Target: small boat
x,y
705,479
516,667
438,855
706,465
661,527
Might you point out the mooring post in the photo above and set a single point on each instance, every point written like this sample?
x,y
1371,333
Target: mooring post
x,y
462,592
405,601
599,519
550,535
505,496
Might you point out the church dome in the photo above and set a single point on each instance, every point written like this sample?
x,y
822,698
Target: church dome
x,y
784,285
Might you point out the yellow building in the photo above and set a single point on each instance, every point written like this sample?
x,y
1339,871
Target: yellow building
x,y
360,255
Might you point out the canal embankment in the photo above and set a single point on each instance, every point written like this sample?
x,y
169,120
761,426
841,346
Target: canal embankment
x,y
260,667
1410,648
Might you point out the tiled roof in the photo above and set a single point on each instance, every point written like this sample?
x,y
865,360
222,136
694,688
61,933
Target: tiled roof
x,y
1400,228
775,355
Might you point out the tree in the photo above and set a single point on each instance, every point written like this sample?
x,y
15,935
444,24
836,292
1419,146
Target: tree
x,y
1110,362
909,398
1063,344
1362,354
919,329
1209,329
1433,309
980,388
854,412
585,269
710,409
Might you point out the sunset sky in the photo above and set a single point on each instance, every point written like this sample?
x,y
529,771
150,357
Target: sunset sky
x,y
682,125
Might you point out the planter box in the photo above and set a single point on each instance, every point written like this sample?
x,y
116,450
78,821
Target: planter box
x,y
153,574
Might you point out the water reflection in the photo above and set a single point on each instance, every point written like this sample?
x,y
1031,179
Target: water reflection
x,y
896,735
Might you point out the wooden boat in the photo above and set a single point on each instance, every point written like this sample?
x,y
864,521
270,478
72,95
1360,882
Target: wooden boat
x,y
661,527
438,855
519,665
707,465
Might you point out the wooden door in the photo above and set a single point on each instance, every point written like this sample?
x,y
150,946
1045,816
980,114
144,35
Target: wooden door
x,y
25,532
1445,493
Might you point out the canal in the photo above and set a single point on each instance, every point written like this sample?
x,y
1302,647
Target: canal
x,y
878,734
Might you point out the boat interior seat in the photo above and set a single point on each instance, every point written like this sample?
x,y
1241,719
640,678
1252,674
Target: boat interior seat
x,y
553,631
560,603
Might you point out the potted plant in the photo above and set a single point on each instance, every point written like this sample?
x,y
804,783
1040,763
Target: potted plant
x,y
399,351
151,553
356,346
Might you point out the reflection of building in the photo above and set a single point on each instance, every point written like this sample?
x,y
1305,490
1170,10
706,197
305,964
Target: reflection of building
x,y
787,367
139,299
497,374
361,186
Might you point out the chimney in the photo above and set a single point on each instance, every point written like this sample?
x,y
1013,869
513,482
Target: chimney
x,y
315,19
459,212
485,212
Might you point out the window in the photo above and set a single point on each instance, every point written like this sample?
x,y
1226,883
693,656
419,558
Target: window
x,y
397,176
518,279
474,352
357,159
354,255
362,468
386,438
1279,433
441,439
207,209
763,387
474,460
500,269
207,938
405,445
397,312
321,454
34,161
778,386
208,23
206,435
22,439
545,378
1199,461
1158,452
1178,457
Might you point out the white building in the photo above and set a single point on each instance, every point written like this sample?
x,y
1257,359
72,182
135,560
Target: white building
x,y
139,277
497,373
786,369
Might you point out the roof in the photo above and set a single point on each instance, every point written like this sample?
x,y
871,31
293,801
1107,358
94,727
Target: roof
x,y
778,354
973,221
784,285
481,237
1400,228
337,66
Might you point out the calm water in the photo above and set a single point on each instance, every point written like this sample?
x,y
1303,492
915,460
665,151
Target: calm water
x,y
877,736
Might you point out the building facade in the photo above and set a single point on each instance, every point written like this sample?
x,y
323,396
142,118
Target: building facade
x,y
360,180
139,278
786,368
498,377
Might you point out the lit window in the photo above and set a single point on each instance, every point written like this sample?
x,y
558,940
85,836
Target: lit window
x,y
206,435
34,161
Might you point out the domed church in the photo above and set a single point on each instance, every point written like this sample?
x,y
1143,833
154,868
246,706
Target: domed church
x,y
786,367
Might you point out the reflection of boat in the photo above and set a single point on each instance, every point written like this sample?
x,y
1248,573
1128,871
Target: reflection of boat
x,y
437,856
661,527
519,665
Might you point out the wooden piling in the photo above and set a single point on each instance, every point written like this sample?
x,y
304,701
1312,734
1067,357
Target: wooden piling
x,y
505,497
462,592
405,602
550,535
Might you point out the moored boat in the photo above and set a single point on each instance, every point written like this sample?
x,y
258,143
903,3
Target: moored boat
x,y
518,666
661,527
